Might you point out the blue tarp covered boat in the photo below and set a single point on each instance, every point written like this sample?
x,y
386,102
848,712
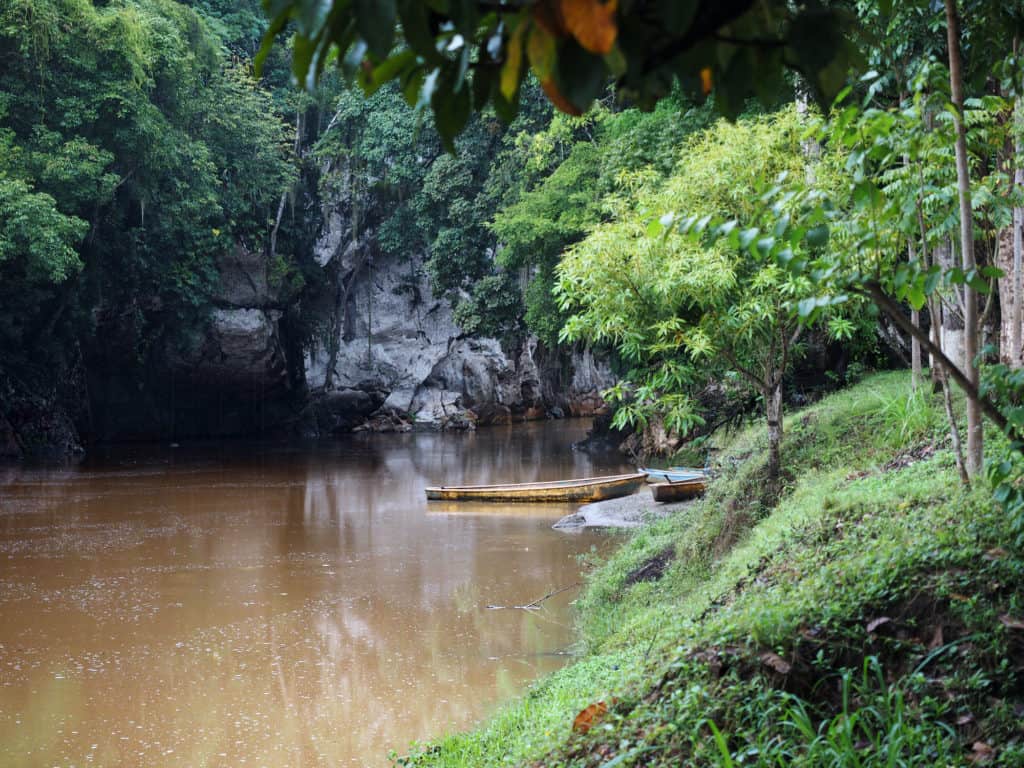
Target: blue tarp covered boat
x,y
673,474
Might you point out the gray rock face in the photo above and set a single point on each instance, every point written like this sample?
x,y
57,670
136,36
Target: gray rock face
x,y
399,340
244,281
389,354
231,379
242,350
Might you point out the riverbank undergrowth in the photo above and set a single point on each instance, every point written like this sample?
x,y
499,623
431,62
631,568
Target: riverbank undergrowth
x,y
870,614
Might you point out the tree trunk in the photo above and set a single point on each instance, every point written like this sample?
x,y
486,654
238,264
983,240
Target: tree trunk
x,y
935,333
915,315
1017,314
773,415
954,429
975,436
1004,260
915,345
951,324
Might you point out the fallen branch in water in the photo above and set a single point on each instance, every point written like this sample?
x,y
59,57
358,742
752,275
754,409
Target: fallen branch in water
x,y
536,605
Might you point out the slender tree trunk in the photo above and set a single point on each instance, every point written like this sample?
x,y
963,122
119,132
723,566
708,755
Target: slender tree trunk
x,y
1017,317
939,375
940,379
935,333
915,315
773,415
915,345
950,317
954,429
934,305
975,436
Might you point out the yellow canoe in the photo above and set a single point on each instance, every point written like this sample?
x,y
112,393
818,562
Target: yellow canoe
x,y
559,491
687,489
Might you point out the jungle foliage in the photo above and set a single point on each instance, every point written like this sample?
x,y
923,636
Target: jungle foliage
x,y
133,151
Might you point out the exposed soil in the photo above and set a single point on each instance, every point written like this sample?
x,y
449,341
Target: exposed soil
x,y
651,569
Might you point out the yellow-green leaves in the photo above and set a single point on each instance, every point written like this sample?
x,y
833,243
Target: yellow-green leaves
x,y
511,70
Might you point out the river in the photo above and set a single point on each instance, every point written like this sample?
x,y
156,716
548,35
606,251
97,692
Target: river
x,y
227,604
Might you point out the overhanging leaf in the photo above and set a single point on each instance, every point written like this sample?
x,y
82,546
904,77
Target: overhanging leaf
x,y
511,71
592,23
375,20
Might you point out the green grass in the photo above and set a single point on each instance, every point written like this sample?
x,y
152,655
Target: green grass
x,y
754,648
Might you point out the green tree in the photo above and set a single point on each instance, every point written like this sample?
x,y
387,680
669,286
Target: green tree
x,y
681,310
130,119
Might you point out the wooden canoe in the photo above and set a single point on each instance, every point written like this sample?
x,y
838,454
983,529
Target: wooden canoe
x,y
557,491
687,489
673,474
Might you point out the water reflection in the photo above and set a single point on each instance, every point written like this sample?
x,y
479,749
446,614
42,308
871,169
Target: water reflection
x,y
280,606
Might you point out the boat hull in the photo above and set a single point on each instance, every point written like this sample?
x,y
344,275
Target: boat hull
x,y
678,491
574,491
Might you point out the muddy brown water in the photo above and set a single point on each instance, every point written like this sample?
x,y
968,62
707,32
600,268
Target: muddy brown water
x,y
229,604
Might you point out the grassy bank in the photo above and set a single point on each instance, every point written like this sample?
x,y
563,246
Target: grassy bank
x,y
871,615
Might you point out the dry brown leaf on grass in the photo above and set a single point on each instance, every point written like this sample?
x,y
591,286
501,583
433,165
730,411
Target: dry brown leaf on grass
x,y
981,752
589,717
776,662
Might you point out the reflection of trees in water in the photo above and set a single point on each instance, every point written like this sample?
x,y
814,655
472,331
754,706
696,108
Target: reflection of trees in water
x,y
519,453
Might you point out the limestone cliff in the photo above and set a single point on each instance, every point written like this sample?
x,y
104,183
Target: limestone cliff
x,y
385,353
396,349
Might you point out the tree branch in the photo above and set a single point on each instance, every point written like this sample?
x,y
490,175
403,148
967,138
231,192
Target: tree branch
x,y
536,604
888,305
761,385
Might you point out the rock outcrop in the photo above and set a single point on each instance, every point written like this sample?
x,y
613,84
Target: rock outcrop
x,y
398,350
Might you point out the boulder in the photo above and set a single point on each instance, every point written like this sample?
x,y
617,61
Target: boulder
x,y
341,410
493,413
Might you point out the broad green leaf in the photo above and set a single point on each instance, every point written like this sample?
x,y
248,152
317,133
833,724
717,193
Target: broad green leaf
x,y
416,30
817,237
806,306
580,75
